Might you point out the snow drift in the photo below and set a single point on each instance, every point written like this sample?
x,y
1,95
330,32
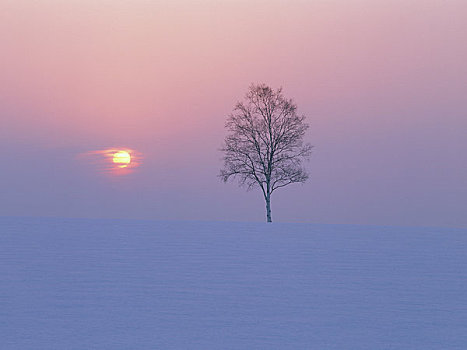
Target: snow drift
x,y
101,284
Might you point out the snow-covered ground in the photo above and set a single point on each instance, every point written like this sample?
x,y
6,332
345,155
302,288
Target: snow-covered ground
x,y
96,284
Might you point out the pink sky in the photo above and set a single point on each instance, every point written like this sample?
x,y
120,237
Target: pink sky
x,y
383,84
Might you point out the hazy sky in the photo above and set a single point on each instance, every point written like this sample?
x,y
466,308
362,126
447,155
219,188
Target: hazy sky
x,y
383,83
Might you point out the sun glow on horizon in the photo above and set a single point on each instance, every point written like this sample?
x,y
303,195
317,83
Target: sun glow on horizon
x,y
114,161
122,158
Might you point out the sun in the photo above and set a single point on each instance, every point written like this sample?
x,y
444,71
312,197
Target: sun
x,y
122,158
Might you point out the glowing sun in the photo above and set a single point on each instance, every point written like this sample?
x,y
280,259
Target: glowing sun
x,y
122,158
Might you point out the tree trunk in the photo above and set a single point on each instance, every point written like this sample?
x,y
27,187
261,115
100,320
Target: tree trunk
x,y
268,207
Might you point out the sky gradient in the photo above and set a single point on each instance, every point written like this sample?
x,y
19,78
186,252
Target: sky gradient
x,y
383,84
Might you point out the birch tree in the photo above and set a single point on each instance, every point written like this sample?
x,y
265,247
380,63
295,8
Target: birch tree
x,y
264,146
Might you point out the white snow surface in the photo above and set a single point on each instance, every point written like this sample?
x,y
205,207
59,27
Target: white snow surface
x,y
103,284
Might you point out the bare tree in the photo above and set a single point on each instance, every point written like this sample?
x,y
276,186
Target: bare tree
x,y
264,147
